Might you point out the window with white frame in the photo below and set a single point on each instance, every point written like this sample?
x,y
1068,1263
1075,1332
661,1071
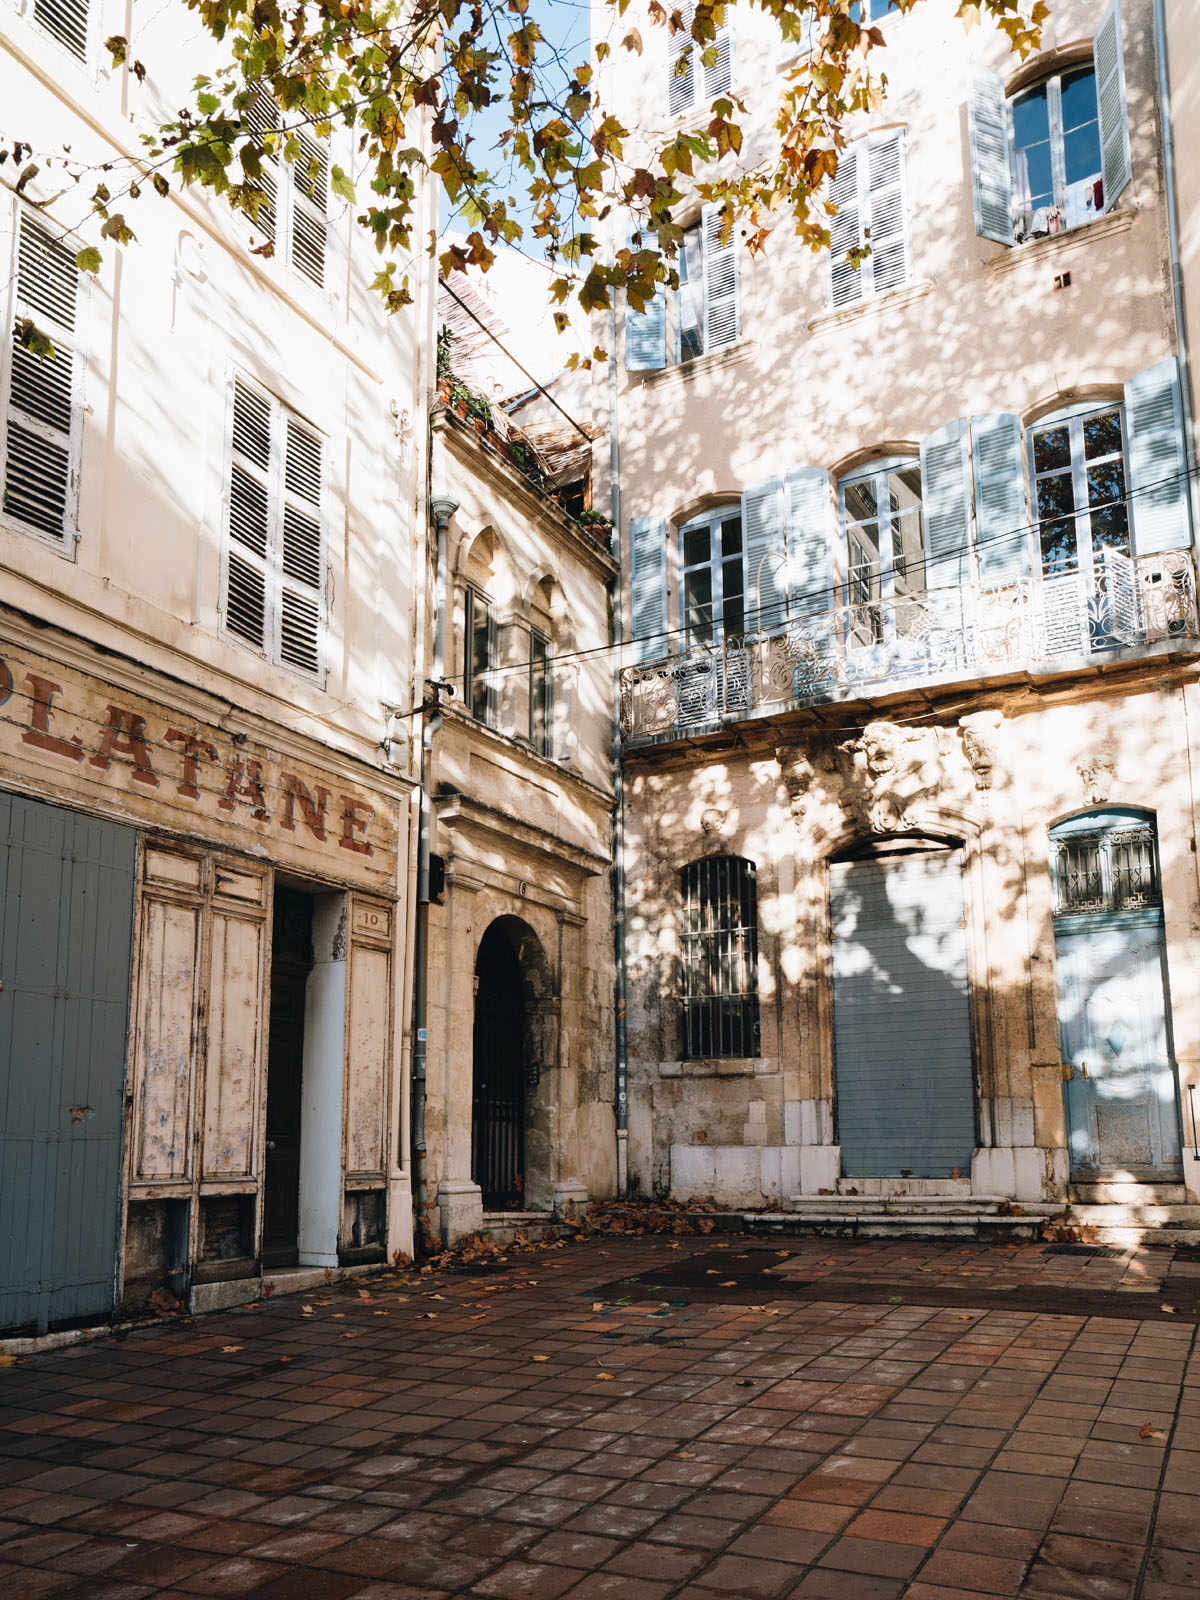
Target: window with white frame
x,y
295,222
713,577
719,940
275,564
704,314
883,533
44,399
479,655
1055,153
868,244
1077,468
66,21
540,692
698,71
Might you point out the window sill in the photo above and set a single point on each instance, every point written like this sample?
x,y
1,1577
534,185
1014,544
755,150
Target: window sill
x,y
1053,244
894,300
729,357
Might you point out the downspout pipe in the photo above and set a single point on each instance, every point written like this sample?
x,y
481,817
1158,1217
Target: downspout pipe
x,y
618,875
442,510
1168,147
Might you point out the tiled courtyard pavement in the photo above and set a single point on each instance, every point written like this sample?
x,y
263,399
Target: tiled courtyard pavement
x,y
896,1420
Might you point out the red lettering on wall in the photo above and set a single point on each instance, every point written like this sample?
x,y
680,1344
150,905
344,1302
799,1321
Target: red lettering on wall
x,y
193,748
312,810
38,733
133,744
245,783
355,816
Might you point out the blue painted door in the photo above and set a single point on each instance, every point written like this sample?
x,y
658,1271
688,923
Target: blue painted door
x,y
66,902
902,1032
1120,1082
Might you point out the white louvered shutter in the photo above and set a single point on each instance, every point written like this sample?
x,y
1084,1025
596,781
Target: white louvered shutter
x,y
718,78
309,224
764,527
274,595
721,316
681,71
263,119
947,511
1002,539
991,155
809,554
888,261
1108,57
1157,460
845,231
66,21
648,587
645,331
44,413
301,556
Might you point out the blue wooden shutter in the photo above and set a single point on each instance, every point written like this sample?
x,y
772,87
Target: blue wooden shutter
x,y
764,531
1108,57
947,514
888,260
991,157
1158,481
648,587
720,281
845,230
1002,538
645,331
809,555
681,79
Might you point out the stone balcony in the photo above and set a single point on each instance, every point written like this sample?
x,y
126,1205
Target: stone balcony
x,y
1070,621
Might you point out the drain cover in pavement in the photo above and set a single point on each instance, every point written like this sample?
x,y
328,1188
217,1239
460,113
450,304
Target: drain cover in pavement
x,y
1085,1250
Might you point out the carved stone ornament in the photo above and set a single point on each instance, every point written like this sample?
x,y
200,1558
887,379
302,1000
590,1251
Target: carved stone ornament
x,y
980,737
1097,775
891,773
797,772
712,821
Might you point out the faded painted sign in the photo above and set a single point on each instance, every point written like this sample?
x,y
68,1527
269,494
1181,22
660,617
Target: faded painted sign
x,y
90,742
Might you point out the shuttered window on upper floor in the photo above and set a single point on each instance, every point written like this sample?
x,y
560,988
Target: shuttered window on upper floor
x,y
66,21
44,398
292,216
703,314
697,71
868,248
275,567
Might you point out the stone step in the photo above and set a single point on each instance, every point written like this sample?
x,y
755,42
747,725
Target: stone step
x,y
504,1226
1135,1224
839,1222
1115,1193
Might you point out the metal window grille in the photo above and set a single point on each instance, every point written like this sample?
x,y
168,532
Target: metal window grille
x,y
1110,869
720,958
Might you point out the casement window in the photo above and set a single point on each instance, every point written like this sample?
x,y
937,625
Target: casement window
x,y
868,191
883,533
66,21
712,566
703,314
1056,153
697,72
719,939
479,656
1077,471
540,692
295,222
44,399
274,570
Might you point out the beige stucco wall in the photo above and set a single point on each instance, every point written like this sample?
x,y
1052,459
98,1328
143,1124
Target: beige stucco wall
x,y
525,836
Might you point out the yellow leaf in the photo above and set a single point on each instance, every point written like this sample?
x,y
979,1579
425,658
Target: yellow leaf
x,y
539,1358
604,1377
229,1349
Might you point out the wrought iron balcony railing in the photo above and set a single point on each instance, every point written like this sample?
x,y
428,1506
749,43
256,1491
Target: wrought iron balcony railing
x,y
871,647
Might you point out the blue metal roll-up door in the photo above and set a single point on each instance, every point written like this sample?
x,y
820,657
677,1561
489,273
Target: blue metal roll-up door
x,y
902,1035
66,903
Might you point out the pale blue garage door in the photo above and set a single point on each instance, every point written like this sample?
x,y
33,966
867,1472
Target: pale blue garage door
x,y
902,1034
66,922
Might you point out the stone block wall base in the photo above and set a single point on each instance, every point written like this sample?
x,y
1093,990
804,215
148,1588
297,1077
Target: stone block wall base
x,y
461,1210
570,1199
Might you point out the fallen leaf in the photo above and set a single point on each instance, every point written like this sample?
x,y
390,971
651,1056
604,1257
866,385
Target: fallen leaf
x,y
231,1349
604,1377
1147,1431
337,1313
478,1317
966,1317
711,1272
9,1361
685,1455
285,1358
745,1383
539,1358
307,1311
1170,1309
728,1283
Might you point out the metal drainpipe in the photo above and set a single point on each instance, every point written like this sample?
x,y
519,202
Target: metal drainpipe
x,y
618,879
1185,377
431,721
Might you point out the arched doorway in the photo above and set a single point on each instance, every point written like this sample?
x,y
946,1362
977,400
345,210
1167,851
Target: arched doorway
x,y
510,1146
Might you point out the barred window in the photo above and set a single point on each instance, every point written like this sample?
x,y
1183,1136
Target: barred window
x,y
720,958
1104,862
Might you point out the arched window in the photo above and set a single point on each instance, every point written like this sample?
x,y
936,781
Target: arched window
x,y
1105,861
720,958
